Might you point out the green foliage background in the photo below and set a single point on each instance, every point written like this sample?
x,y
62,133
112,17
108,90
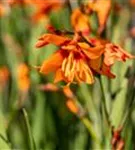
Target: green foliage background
x,y
43,120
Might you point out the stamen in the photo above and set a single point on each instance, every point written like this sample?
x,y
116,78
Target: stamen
x,y
64,64
73,66
68,65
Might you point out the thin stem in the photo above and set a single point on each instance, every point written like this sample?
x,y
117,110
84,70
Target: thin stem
x,y
81,115
90,128
129,110
104,102
31,139
5,140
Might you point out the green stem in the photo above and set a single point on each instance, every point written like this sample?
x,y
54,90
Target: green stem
x,y
90,128
5,140
129,110
31,139
104,102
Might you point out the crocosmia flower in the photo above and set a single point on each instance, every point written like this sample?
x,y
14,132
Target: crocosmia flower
x,y
112,53
80,22
70,62
79,59
44,7
102,9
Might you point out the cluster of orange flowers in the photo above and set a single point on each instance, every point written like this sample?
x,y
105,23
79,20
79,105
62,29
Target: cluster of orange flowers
x,y
81,57
42,7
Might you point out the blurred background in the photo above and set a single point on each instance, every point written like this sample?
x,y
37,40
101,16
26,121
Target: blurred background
x,y
33,111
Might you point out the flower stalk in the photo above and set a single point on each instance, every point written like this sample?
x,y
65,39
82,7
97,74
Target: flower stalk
x,y
89,126
31,139
104,102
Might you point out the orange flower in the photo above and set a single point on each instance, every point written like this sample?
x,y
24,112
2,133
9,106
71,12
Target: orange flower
x,y
23,78
20,2
115,53
102,8
78,59
112,53
132,3
80,22
44,7
4,8
70,62
1,10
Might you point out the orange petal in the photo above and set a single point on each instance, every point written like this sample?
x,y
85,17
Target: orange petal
x,y
106,70
23,77
72,106
67,92
92,52
52,63
96,64
102,7
39,16
115,53
51,38
80,21
59,76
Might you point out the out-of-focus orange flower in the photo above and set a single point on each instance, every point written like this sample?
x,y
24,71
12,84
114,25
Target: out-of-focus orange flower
x,y
70,62
72,106
44,7
4,76
132,2
23,77
72,103
20,2
2,10
80,22
78,60
102,8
